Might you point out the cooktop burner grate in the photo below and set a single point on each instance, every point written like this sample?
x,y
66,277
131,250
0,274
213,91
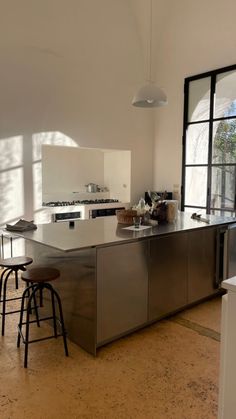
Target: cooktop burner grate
x,y
79,202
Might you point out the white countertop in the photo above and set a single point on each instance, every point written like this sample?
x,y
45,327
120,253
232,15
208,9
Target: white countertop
x,y
229,284
106,231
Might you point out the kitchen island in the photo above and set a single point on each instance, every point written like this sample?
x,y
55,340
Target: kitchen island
x,y
115,280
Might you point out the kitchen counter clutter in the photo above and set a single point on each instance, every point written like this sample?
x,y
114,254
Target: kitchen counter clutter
x,y
106,231
115,280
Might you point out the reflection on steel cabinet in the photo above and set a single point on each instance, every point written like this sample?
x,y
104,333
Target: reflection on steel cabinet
x,y
122,289
167,275
202,264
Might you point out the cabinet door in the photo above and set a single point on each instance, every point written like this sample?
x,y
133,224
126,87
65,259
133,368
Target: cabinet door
x,y
122,289
167,275
201,264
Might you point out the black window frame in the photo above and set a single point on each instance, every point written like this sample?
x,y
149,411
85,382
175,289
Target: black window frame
x,y
213,75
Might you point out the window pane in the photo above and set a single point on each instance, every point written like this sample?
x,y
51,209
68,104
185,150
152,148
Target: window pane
x,y
11,152
197,210
43,216
50,138
223,213
18,245
199,99
197,144
224,141
11,195
37,185
223,187
225,95
196,186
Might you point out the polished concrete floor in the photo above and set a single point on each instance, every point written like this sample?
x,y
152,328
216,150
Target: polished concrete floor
x,y
166,371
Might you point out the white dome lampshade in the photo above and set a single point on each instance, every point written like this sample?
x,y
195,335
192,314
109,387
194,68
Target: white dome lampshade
x,y
149,96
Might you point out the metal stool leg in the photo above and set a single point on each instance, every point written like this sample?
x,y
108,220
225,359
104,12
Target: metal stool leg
x,y
27,335
1,280
27,324
24,296
62,321
27,284
35,305
31,286
2,247
54,313
4,300
16,278
41,297
11,248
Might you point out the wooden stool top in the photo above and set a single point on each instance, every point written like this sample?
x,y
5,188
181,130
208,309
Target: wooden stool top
x,y
40,274
15,262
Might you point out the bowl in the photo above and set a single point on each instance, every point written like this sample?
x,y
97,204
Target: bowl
x,y
125,216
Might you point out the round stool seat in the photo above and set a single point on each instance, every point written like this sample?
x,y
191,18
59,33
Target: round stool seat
x,y
15,262
40,275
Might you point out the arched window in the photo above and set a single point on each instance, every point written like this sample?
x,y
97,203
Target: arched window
x,y
209,143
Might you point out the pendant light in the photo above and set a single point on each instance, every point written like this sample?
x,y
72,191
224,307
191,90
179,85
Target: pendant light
x,y
149,95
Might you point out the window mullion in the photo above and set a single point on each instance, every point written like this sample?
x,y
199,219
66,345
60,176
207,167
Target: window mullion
x,y
209,174
185,125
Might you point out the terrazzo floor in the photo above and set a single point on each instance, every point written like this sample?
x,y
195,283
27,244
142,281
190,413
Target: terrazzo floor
x,y
166,371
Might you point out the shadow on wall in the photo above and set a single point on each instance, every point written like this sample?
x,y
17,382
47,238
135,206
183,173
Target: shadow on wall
x,y
21,175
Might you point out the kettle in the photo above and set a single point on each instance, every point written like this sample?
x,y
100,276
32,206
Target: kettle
x,y
92,187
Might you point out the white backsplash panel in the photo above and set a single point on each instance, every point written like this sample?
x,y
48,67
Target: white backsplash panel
x,y
66,171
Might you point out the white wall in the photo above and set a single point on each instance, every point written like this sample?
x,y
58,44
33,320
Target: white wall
x,y
71,67
196,37
66,170
117,174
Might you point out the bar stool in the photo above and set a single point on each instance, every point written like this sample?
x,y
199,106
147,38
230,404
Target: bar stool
x,y
39,279
10,265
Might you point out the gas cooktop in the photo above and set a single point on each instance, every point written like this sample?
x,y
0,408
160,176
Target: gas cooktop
x,y
82,202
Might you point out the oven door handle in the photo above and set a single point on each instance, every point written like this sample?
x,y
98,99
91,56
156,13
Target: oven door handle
x,y
66,216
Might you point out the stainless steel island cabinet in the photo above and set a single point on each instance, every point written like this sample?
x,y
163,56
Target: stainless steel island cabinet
x,y
115,280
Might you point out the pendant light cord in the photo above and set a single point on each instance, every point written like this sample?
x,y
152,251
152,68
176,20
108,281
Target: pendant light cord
x,y
150,46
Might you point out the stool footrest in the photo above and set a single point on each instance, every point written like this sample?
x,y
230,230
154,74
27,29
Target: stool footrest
x,y
18,311
40,339
10,299
41,320
44,338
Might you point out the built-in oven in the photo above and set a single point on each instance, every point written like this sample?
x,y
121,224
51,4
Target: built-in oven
x,y
103,212
66,216
83,210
